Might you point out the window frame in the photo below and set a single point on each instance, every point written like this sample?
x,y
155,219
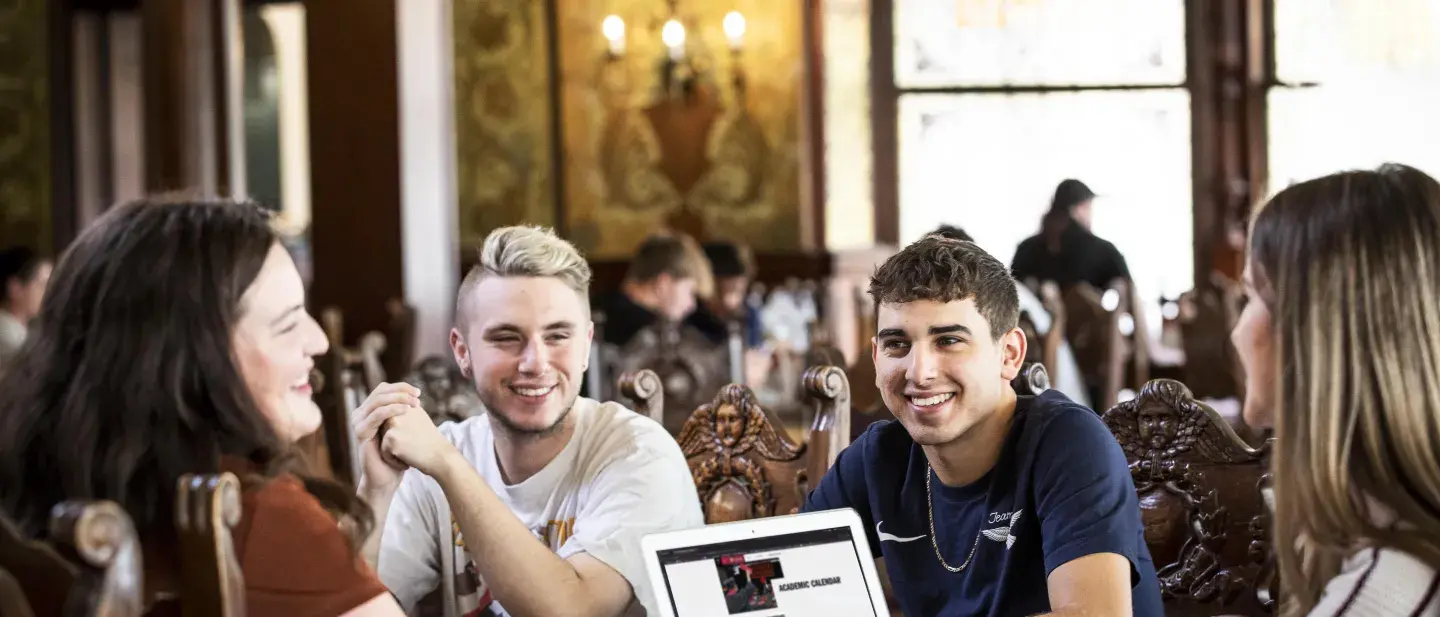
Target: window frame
x,y
1229,69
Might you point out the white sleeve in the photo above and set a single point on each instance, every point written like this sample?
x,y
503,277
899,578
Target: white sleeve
x,y
1380,583
647,491
410,547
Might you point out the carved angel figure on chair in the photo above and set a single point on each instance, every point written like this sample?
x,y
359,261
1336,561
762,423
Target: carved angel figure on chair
x,y
729,443
1199,497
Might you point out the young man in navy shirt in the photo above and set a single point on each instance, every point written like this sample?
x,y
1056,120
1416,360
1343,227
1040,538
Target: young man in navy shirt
x,y
983,502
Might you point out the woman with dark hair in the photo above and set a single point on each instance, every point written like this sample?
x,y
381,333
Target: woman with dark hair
x,y
1340,340
1065,251
24,275
175,340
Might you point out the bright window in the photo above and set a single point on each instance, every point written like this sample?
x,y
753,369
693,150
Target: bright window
x,y
1360,87
1001,100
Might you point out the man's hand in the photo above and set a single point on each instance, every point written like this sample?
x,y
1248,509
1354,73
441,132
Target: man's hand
x,y
381,474
412,438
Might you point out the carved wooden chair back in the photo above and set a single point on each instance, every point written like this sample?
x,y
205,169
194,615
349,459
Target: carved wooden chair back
x,y
1035,350
1134,332
1207,315
744,464
211,583
445,392
1199,485
1094,334
346,377
866,402
604,361
1053,339
1033,379
690,367
89,566
643,392
399,352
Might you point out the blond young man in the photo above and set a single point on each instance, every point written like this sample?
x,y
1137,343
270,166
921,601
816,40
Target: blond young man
x,y
536,507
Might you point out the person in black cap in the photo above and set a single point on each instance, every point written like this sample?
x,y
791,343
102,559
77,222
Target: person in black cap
x,y
732,267
1065,251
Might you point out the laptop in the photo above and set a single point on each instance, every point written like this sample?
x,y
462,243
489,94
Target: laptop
x,y
803,565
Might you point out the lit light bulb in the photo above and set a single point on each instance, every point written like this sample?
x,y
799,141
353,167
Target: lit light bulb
x,y
614,30
734,25
1111,300
673,35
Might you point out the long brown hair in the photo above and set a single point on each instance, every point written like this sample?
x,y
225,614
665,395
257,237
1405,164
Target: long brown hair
x,y
131,381
1349,265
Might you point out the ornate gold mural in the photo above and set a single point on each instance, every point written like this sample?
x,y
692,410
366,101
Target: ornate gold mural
x,y
720,162
502,102
24,125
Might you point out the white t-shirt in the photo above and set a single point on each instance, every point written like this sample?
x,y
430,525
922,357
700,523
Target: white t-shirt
x,y
620,477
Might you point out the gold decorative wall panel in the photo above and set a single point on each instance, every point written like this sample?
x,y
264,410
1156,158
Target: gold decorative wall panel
x,y
24,125
720,164
502,103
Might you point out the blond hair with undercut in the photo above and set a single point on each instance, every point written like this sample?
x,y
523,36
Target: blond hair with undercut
x,y
526,251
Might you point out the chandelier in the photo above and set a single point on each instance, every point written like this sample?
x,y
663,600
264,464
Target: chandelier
x,y
678,70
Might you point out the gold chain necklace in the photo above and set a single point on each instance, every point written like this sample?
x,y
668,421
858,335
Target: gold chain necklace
x,y
930,507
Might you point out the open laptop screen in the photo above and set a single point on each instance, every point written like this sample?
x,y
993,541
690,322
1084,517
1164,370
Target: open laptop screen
x,y
804,574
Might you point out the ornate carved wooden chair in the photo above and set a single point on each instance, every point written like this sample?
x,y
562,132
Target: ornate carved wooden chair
x,y
1199,486
643,391
603,358
690,367
1207,315
90,565
867,404
445,392
345,377
399,352
1053,339
1094,334
206,507
743,463
1033,380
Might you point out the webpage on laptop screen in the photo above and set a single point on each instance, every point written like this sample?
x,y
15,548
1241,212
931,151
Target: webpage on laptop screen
x,y
807,574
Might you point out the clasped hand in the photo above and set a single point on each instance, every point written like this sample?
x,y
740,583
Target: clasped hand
x,y
395,433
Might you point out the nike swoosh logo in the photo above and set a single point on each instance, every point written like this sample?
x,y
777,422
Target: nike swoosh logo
x,y
885,536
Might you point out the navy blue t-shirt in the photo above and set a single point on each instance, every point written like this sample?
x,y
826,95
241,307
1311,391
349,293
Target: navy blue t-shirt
x,y
1060,490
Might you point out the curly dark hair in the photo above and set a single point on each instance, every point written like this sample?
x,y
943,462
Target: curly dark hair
x,y
946,270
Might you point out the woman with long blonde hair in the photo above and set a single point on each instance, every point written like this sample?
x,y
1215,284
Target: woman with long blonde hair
x,y
1340,340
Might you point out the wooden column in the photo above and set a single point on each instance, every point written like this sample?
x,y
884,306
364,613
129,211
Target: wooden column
x,y
884,108
193,133
1231,66
812,159
355,173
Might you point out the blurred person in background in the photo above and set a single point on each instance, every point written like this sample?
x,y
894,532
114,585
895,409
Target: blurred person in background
x,y
25,275
732,269
1065,251
661,284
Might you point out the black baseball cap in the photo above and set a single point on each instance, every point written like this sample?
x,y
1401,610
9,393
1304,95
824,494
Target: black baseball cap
x,y
1069,193
727,259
